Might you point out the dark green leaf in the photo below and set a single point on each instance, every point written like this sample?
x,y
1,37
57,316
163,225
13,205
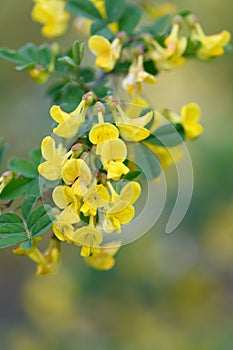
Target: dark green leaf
x,y
11,229
130,18
147,161
150,67
87,75
10,240
83,8
37,214
23,167
67,61
77,52
27,206
41,226
35,157
14,189
115,9
33,188
10,218
168,135
100,27
132,175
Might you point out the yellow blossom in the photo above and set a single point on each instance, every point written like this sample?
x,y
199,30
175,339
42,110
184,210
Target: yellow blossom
x,y
133,82
53,15
64,198
113,153
63,230
103,258
95,197
38,75
76,172
166,156
68,123
48,262
211,45
55,158
103,132
121,211
170,56
88,237
132,129
107,53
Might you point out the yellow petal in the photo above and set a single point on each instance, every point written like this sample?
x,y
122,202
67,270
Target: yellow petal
x,y
58,114
87,236
103,132
113,150
99,45
48,147
115,169
133,132
62,230
190,113
75,168
102,261
50,170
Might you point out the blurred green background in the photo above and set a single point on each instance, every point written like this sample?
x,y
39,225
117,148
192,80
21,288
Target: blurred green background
x,y
166,292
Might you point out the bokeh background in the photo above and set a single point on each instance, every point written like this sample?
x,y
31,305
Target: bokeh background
x,y
166,292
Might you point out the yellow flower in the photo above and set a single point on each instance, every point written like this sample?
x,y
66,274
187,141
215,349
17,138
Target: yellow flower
x,y
120,211
88,237
76,172
48,262
102,258
211,45
166,156
38,75
170,56
64,198
53,15
55,158
113,153
68,123
63,231
132,129
107,53
95,197
189,118
100,133
133,82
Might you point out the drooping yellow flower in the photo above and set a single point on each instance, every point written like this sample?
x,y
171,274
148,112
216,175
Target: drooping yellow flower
x,y
76,172
55,158
107,53
133,82
63,231
88,237
132,129
211,45
48,262
64,198
38,75
113,153
170,56
68,123
53,15
95,197
120,211
103,258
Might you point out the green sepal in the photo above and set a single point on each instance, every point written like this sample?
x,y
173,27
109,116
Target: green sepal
x,y
83,8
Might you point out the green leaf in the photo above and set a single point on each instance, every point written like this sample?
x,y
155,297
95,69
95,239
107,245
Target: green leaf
x,y
160,27
23,167
10,218
27,206
35,157
68,96
10,228
41,226
168,135
87,74
77,52
147,161
33,188
14,189
132,175
115,9
68,61
99,27
37,214
9,240
28,56
130,18
83,8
